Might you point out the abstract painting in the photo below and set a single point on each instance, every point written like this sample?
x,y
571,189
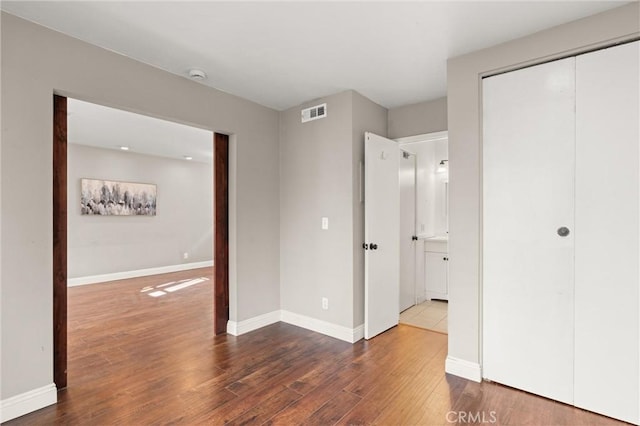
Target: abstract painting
x,y
112,198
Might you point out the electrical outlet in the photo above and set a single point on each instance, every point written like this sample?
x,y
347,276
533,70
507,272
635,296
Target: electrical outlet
x,y
185,255
325,303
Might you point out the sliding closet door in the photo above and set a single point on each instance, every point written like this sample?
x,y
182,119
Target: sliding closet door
x,y
607,232
528,176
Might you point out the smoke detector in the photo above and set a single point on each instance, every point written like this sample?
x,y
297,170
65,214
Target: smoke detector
x,y
198,75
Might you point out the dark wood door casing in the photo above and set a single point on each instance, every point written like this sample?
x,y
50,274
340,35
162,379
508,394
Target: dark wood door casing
x,y
60,241
221,239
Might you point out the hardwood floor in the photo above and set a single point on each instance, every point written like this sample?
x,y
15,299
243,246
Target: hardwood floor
x,y
135,359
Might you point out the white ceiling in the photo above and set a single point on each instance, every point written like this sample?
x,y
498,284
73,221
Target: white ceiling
x,y
281,54
104,127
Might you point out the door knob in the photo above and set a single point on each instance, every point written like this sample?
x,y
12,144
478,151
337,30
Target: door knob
x,y
563,231
414,238
365,246
373,246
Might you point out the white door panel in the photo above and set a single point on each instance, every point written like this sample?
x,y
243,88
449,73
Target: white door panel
x,y
382,224
607,232
528,190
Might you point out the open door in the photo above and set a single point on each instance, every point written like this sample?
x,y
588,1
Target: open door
x,y
382,235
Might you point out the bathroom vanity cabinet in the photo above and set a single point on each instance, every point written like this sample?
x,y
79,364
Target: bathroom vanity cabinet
x,y
436,268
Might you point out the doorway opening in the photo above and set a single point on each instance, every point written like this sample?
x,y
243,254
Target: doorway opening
x,y
116,202
424,230
406,231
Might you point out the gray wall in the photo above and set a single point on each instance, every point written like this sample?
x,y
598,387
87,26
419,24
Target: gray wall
x,y
319,176
418,119
107,244
36,62
315,176
464,88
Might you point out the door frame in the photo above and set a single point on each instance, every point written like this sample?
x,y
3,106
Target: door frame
x,y
414,234
405,142
59,222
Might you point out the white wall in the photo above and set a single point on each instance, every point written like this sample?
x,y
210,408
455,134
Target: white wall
x,y
418,119
36,62
319,177
315,177
107,244
464,115
430,189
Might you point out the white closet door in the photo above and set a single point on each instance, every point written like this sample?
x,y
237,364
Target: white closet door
x,y
528,176
607,232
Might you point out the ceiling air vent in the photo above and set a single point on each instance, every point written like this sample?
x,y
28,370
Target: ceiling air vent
x,y
314,113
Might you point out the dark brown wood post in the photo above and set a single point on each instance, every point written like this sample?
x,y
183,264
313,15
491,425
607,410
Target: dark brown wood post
x,y
221,223
60,241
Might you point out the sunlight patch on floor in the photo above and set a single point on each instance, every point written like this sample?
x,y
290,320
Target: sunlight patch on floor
x,y
175,286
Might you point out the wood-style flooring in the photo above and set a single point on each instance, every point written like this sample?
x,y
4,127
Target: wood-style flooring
x,y
135,359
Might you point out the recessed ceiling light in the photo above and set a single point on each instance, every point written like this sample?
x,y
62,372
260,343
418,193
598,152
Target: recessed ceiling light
x,y
198,75
124,148
186,157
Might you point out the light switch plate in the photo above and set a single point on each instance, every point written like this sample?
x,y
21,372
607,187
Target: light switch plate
x,y
325,223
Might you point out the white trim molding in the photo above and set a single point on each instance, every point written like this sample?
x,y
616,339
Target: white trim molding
x,y
465,369
237,328
426,137
93,279
28,402
350,335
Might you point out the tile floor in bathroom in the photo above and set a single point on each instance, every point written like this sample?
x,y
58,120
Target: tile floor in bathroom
x,y
430,314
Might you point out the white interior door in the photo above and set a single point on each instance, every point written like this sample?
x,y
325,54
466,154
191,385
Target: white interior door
x,y
608,231
382,224
407,230
528,195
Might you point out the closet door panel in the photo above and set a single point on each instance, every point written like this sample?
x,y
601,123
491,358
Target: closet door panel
x,y
607,232
528,193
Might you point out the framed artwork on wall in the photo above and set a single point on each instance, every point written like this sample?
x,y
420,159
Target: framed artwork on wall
x,y
113,198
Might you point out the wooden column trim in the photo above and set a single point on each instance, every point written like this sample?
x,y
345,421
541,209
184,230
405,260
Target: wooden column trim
x,y
60,241
221,240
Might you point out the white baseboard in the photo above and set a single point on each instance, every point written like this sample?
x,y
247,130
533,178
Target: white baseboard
x,y
93,279
465,369
350,335
28,402
241,327
358,333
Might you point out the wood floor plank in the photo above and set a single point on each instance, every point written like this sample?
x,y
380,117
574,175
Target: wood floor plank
x,y
304,408
411,400
437,406
259,414
139,360
333,410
